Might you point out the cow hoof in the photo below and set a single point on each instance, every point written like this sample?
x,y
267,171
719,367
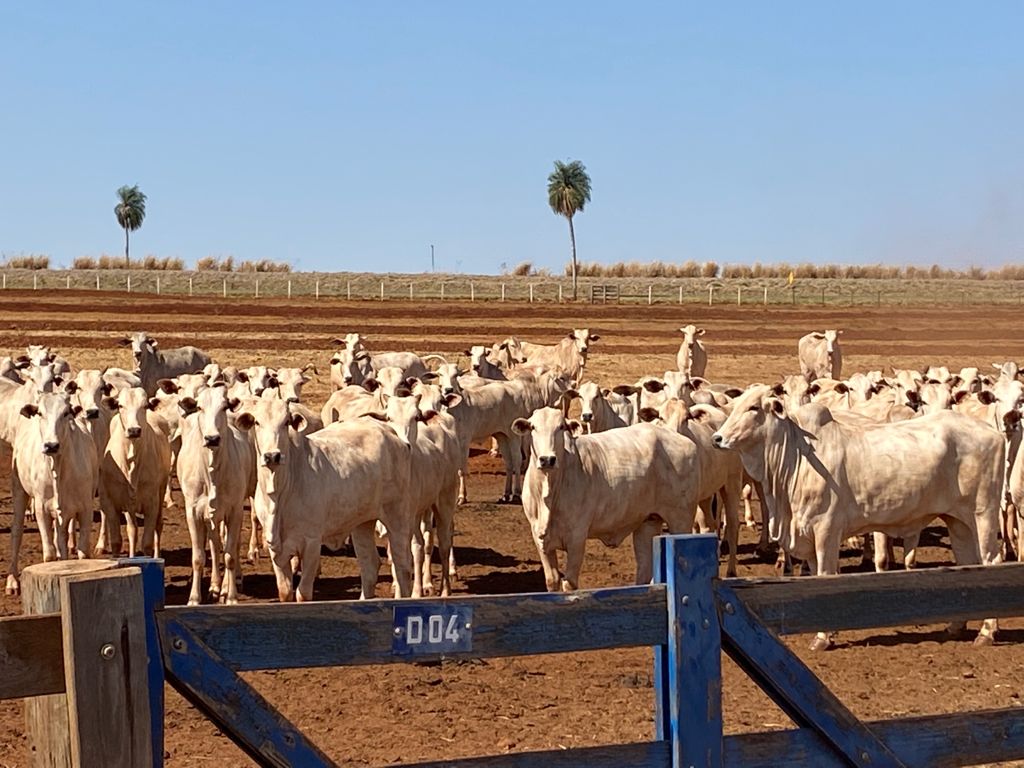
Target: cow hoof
x,y
516,499
984,641
503,500
821,643
194,601
428,591
13,586
231,601
461,502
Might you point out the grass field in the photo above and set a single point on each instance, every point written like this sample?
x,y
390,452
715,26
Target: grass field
x,y
485,288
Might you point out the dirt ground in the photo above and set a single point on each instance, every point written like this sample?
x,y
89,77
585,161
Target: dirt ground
x,y
382,715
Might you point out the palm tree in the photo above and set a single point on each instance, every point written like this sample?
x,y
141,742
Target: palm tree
x,y
130,213
568,192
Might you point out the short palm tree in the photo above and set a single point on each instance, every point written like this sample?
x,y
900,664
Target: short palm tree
x,y
130,212
568,192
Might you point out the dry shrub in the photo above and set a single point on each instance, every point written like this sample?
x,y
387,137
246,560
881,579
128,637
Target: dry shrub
x,y
263,265
215,264
83,262
523,269
29,261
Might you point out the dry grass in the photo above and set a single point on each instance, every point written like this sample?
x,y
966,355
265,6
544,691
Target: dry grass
x,y
26,261
264,265
149,262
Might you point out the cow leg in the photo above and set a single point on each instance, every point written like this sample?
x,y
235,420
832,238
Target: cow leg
x,y
764,547
643,550
131,529
463,474
748,513
402,535
282,565
63,527
910,544
826,555
731,507
369,562
253,555
883,551
44,518
506,454
20,499
964,541
574,551
197,534
549,562
216,557
419,539
704,520
310,569
229,590
423,566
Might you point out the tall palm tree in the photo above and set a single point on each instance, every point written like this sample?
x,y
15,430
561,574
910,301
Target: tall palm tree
x,y
568,192
130,212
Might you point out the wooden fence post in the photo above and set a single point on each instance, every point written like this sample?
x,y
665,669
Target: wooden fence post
x,y
559,293
688,670
382,290
158,285
739,295
46,717
650,295
472,292
97,281
257,294
69,283
680,294
190,285
711,292
502,291
35,282
442,290
5,281
105,669
225,287
318,290
766,295
410,291
289,289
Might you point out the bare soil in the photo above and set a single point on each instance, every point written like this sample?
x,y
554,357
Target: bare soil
x,y
381,715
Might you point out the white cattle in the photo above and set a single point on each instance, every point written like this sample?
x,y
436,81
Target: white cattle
x,y
320,488
692,358
353,363
1008,370
605,486
134,472
217,472
825,480
54,471
597,411
152,364
119,378
289,382
721,472
820,355
568,356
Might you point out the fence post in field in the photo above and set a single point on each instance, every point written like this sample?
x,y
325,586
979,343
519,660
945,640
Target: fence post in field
x,y
472,292
502,291
739,295
224,287
680,294
289,289
69,283
650,294
158,285
35,283
46,717
190,285
257,294
766,295
348,289
688,669
97,281
5,281
559,293
442,290
382,290
129,284
711,294
318,289
410,291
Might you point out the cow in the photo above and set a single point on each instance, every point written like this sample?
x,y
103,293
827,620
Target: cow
x,y
597,412
217,472
820,356
152,364
721,472
289,382
568,356
692,358
825,480
1008,370
119,378
317,489
353,363
9,370
484,363
54,470
134,471
605,486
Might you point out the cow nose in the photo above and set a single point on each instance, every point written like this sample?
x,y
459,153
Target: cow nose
x,y
51,448
212,441
546,462
449,390
92,413
271,458
717,439
587,417
134,432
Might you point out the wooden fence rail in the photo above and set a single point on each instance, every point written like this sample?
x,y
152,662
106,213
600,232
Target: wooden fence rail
x,y
113,644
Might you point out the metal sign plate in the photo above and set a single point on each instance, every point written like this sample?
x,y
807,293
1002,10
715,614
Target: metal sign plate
x,y
431,629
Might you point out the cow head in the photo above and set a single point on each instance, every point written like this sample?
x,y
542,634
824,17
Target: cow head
x,y
51,414
290,381
477,355
1008,370
447,378
131,404
212,407
43,378
690,335
89,391
38,354
582,337
1007,396
142,344
551,437
269,420
748,422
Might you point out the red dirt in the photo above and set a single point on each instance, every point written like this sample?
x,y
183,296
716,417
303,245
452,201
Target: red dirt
x,y
380,715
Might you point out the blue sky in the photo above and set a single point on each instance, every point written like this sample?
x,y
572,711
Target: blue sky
x,y
353,136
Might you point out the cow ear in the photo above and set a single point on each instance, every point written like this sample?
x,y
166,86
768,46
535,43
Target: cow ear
x,y
58,380
697,382
375,415
168,386
335,360
452,399
233,403
75,410
363,355
371,385
429,376
571,394
153,343
819,336
700,331
595,337
245,420
126,342
219,384
242,376
188,405
649,414
986,397
467,353
955,381
110,402
605,392
153,404
777,407
842,388
106,388
625,389
428,416
654,386
521,426
273,383
733,392
959,397
571,335
310,367
814,389
298,422
29,410
338,342
71,387
574,427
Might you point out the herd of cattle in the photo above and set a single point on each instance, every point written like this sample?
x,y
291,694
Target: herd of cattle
x,y
386,455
